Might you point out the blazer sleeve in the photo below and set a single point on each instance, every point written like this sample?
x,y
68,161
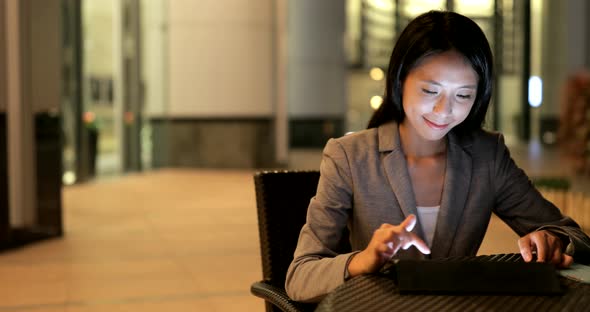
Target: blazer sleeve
x,y
523,208
323,249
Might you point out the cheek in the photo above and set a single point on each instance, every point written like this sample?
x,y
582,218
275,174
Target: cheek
x,y
461,112
412,103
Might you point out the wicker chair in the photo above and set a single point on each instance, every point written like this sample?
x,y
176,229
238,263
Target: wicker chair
x,y
282,198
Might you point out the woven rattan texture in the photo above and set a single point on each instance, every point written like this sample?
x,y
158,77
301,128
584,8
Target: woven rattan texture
x,y
379,293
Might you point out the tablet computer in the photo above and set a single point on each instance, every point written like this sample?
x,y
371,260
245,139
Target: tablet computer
x,y
475,277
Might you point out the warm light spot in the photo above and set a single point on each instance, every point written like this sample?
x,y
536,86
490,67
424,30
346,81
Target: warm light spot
x,y
376,101
68,178
376,73
535,91
89,117
129,118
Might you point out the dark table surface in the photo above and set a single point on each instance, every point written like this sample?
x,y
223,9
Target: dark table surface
x,y
379,293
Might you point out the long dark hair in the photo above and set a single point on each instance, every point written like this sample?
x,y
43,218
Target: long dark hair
x,y
432,33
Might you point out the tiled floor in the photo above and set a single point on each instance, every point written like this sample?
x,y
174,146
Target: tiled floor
x,y
160,241
169,240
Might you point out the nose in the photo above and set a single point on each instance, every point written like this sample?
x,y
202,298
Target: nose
x,y
443,106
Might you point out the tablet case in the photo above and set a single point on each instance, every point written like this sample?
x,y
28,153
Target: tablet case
x,y
475,277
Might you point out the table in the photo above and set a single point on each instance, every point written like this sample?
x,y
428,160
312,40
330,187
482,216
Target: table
x,y
378,293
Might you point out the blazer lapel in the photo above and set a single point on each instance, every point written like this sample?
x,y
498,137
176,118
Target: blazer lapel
x,y
456,188
396,170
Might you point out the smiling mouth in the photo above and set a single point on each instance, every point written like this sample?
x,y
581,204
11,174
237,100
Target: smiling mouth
x,y
435,125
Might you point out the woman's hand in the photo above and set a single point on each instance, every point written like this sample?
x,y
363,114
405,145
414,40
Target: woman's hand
x,y
548,247
385,243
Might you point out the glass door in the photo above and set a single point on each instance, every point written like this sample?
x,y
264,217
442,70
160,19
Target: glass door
x,y
102,102
76,163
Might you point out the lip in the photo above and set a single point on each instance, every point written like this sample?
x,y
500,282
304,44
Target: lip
x,y
435,125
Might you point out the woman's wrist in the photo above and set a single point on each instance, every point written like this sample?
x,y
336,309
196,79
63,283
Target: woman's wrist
x,y
355,265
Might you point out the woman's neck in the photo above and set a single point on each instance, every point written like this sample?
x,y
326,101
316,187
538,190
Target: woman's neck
x,y
416,146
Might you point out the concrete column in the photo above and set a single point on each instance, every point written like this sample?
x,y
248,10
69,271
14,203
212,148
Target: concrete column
x,y
219,58
4,203
21,182
577,34
281,55
565,37
3,71
316,80
31,74
219,100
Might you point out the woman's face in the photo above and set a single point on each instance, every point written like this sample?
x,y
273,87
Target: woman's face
x,y
438,94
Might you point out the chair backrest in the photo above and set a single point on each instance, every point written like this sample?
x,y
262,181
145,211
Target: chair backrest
x,y
282,198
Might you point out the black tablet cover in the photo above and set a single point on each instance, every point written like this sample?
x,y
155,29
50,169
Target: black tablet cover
x,y
475,277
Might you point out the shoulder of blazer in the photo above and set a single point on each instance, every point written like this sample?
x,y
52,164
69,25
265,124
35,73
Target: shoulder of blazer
x,y
484,144
361,139
481,144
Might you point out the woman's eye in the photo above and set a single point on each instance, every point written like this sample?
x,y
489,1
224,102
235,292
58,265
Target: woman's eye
x,y
428,91
464,96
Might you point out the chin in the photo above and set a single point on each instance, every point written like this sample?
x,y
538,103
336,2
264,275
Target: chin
x,y
434,135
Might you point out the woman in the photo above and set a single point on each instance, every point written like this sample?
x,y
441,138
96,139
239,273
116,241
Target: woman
x,y
423,180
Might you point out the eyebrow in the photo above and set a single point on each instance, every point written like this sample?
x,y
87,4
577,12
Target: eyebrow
x,y
438,84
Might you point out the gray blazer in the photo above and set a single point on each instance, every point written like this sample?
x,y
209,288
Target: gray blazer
x,y
365,182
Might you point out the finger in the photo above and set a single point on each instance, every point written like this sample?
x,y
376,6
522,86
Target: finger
x,y
557,256
524,244
417,242
392,248
385,226
566,261
383,249
409,223
388,250
393,243
554,252
390,245
540,242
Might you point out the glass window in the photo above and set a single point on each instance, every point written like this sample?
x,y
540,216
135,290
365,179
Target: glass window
x,y
475,8
413,8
